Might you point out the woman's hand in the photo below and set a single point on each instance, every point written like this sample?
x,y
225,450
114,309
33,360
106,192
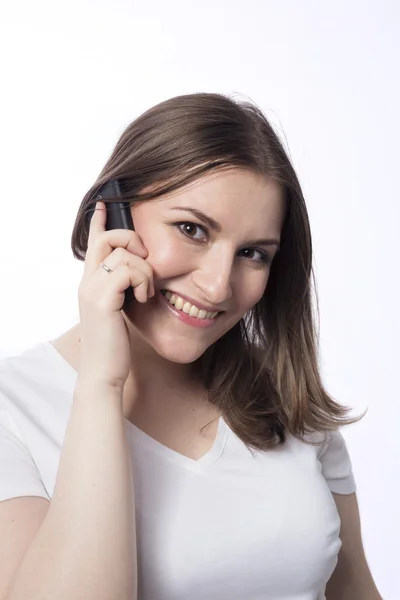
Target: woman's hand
x,y
105,348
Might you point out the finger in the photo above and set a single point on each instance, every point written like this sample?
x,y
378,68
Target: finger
x,y
96,229
122,243
141,290
98,221
122,238
120,279
123,258
119,256
101,243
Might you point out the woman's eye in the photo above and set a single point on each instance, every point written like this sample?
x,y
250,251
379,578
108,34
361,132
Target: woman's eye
x,y
190,229
252,255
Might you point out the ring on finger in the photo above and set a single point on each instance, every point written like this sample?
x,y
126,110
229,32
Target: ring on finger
x,y
105,267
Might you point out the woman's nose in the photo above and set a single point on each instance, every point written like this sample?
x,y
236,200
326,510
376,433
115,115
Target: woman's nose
x,y
214,279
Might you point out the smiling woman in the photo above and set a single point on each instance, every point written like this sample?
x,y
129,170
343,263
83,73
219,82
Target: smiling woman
x,y
183,445
224,162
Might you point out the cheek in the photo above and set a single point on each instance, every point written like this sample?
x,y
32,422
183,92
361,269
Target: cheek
x,y
166,256
252,290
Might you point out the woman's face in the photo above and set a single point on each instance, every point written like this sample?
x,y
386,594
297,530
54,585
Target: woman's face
x,y
210,246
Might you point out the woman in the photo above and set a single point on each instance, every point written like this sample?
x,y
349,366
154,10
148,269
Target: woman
x,y
183,447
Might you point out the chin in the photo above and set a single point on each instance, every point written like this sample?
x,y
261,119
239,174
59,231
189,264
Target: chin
x,y
179,353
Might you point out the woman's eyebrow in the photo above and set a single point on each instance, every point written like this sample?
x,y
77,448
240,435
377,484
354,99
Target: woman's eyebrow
x,y
215,226
201,216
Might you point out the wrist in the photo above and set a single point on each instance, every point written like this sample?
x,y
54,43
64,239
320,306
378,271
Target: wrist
x,y
89,382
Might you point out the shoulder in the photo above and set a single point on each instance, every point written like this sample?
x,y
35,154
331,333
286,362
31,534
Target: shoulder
x,y
334,461
27,419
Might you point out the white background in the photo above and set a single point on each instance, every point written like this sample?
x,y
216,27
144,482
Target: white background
x,y
74,74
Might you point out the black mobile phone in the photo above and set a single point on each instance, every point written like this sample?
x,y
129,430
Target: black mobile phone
x,y
118,217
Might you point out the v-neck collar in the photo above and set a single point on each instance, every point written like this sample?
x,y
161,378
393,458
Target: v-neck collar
x,y
157,447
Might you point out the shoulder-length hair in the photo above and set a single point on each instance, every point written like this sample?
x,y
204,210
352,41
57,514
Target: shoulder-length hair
x,y
263,374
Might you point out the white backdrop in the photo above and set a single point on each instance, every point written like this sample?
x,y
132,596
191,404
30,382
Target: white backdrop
x,y
74,74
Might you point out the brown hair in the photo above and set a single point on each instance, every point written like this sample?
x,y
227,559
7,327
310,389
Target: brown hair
x,y
263,374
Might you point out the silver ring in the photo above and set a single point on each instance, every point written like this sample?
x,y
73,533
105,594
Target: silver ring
x,y
105,267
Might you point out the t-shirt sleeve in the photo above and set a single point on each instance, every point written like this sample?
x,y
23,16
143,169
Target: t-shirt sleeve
x,y
336,464
18,473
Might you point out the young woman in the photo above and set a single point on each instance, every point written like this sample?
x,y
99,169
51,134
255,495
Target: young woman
x,y
183,446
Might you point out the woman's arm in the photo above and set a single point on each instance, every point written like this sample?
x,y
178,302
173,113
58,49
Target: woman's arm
x,y
351,579
86,545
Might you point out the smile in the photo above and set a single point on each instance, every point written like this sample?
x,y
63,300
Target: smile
x,y
186,307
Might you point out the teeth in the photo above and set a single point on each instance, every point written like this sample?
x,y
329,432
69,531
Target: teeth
x,y
188,308
193,312
178,302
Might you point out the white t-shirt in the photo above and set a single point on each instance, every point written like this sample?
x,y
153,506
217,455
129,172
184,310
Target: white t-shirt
x,y
234,524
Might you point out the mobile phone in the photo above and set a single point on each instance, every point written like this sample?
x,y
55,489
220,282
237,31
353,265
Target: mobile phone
x,y
118,217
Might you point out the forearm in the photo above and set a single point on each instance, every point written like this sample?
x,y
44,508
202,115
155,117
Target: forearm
x,y
86,546
348,585
353,593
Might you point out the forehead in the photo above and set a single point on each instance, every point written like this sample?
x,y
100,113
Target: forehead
x,y
230,194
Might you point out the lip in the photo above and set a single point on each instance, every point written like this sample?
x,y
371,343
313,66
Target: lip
x,y
187,319
194,302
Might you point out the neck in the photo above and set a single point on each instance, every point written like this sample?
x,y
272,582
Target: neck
x,y
149,367
154,385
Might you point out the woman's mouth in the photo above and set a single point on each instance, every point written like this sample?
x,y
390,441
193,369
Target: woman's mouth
x,y
187,312
190,309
